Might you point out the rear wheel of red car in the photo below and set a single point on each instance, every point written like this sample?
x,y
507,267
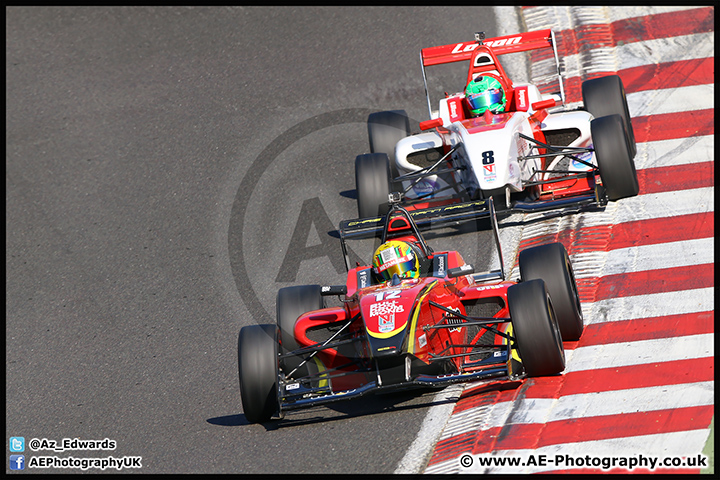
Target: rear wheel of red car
x,y
372,183
617,168
606,96
535,328
385,130
290,303
258,370
551,263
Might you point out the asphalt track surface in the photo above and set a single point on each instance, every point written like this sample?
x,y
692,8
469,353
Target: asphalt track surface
x,y
160,165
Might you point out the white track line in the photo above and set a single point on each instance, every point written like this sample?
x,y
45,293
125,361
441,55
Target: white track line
x,y
672,100
420,450
623,13
664,50
665,204
565,18
676,151
650,306
647,257
640,352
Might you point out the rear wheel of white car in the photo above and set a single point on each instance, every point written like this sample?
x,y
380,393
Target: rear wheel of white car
x,y
606,96
258,370
551,263
535,328
385,130
372,183
617,168
290,303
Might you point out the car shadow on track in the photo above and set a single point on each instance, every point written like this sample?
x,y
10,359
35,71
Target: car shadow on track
x,y
369,405
353,408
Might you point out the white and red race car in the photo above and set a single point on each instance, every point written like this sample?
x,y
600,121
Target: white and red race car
x,y
538,154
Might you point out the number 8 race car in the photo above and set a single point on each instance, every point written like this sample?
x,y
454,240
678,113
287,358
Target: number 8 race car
x,y
447,325
529,155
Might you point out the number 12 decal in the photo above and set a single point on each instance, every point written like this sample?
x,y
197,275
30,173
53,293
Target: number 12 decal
x,y
387,295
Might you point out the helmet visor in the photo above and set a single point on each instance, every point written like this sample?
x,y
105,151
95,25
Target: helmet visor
x,y
391,262
483,101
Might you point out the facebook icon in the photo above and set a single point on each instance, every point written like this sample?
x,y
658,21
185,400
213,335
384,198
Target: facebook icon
x,y
17,462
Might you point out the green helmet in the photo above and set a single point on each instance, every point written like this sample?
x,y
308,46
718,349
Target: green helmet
x,y
485,93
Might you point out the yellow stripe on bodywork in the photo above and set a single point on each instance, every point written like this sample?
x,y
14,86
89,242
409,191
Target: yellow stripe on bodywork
x,y
321,368
514,351
416,314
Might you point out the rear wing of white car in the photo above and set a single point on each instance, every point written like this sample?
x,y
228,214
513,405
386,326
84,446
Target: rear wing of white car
x,y
466,51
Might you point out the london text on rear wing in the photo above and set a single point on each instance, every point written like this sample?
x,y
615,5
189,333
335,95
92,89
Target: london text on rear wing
x,y
463,51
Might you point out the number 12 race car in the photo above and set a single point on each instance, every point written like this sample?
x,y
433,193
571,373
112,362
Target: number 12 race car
x,y
441,324
502,139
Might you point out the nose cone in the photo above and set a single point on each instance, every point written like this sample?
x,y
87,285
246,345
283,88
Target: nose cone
x,y
386,313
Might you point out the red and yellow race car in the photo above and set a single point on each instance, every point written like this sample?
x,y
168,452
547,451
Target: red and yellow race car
x,y
434,323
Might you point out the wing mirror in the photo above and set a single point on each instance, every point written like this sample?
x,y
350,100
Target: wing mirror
x,y
544,104
432,123
327,291
460,271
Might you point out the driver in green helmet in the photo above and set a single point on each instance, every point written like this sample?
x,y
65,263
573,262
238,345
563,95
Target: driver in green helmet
x,y
485,93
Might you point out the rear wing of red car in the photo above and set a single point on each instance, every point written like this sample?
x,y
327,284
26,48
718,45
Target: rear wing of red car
x,y
521,42
415,221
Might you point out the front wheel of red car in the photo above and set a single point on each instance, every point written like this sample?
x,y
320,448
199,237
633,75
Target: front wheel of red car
x,y
290,303
551,263
537,335
258,369
617,168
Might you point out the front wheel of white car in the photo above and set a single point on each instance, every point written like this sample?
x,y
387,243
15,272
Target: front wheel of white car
x,y
606,96
372,183
617,168
385,130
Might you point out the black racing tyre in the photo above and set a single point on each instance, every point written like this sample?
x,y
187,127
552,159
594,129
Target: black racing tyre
x,y
606,96
372,183
290,303
551,263
258,369
537,334
617,168
385,130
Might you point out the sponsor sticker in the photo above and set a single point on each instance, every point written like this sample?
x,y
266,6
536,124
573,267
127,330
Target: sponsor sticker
x,y
386,323
363,278
385,308
425,187
578,166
